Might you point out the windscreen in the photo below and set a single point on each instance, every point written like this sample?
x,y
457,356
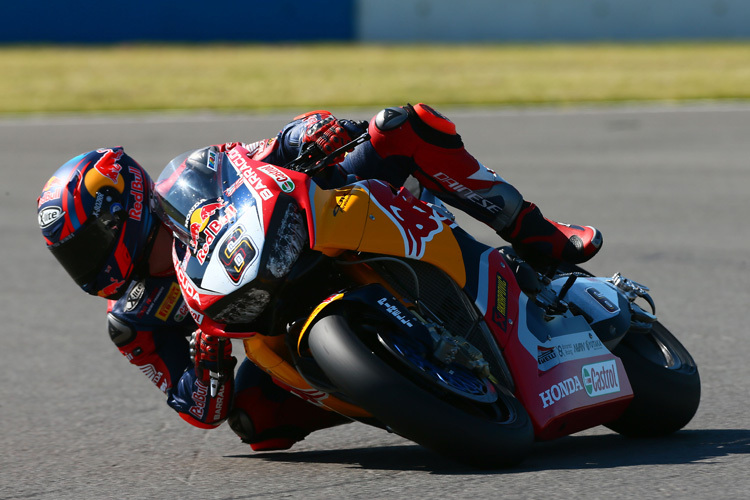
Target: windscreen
x,y
186,181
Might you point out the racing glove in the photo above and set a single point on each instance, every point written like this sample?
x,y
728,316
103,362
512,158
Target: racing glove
x,y
212,356
325,133
203,396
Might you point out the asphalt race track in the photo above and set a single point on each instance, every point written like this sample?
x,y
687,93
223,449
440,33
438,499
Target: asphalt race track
x,y
668,186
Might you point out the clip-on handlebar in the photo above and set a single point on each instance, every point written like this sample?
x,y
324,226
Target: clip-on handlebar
x,y
313,160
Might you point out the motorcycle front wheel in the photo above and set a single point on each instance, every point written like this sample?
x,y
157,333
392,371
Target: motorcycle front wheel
x,y
481,434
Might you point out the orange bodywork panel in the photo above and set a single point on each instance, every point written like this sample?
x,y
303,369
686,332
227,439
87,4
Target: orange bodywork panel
x,y
264,352
369,217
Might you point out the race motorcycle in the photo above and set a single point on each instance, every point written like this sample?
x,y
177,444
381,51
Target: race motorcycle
x,y
375,304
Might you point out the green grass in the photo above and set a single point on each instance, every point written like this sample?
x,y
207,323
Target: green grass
x,y
261,77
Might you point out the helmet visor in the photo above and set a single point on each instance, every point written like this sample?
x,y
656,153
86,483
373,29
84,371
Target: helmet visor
x,y
85,253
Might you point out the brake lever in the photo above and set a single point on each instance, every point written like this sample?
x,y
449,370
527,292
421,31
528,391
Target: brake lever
x,y
217,377
311,162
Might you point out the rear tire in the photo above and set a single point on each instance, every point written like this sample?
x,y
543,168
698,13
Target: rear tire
x,y
486,435
665,381
664,378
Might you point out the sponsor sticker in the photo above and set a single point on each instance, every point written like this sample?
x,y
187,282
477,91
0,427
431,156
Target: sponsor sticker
x,y
199,395
135,296
108,164
568,348
560,391
181,313
547,357
342,201
281,179
249,175
417,222
212,160
137,192
49,216
112,288
167,305
600,378
500,312
467,193
394,311
51,191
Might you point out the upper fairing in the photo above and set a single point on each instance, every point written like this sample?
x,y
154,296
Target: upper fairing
x,y
189,181
241,226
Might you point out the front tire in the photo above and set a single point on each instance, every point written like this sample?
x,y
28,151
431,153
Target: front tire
x,y
485,435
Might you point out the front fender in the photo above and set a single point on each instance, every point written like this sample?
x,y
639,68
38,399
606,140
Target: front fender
x,y
372,298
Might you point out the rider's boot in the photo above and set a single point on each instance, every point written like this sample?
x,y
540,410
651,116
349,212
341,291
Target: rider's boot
x,y
269,418
419,140
542,241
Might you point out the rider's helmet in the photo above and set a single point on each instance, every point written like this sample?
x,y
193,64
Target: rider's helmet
x,y
95,218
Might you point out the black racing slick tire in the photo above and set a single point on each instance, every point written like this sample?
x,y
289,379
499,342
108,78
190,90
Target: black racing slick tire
x,y
665,381
485,435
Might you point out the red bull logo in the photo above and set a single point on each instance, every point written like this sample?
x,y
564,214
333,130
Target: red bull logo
x,y
136,191
106,172
53,182
200,218
108,165
51,191
203,221
112,288
417,221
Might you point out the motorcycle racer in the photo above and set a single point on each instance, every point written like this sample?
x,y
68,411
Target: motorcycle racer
x,y
97,219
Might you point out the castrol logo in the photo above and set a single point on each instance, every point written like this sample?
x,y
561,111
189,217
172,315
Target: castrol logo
x,y
600,378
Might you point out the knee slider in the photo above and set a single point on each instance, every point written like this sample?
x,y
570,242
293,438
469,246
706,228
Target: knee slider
x,y
240,423
434,128
120,332
433,119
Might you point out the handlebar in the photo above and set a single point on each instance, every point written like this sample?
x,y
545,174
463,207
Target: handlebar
x,y
313,160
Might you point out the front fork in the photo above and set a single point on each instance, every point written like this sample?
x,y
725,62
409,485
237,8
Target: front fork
x,y
444,346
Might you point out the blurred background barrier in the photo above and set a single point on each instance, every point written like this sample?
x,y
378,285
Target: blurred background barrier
x,y
551,20
107,21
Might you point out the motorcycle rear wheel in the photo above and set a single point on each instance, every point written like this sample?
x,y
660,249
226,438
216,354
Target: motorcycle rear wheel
x,y
665,381
664,378
485,435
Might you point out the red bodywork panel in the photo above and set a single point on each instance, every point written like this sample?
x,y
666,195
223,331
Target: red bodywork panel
x,y
586,387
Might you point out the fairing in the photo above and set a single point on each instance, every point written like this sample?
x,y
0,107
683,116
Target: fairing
x,y
238,230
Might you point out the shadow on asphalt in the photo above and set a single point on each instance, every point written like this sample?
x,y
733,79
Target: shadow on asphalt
x,y
573,452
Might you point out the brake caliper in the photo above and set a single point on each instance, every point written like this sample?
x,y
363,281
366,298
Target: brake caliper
x,y
448,348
